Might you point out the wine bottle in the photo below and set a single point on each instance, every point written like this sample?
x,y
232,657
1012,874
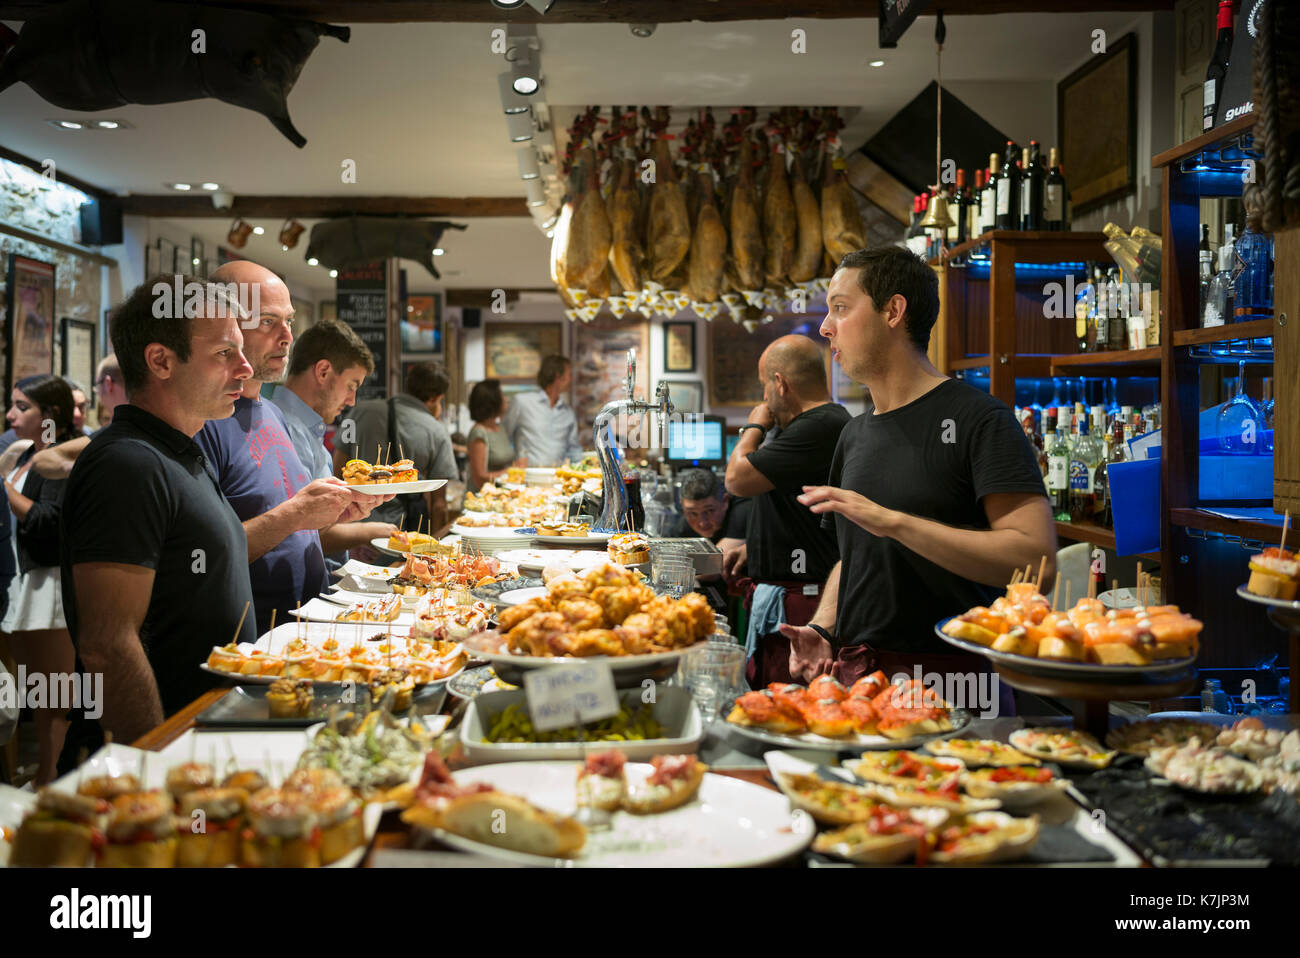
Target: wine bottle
x,y
1218,68
1008,183
1054,194
973,211
1031,188
989,200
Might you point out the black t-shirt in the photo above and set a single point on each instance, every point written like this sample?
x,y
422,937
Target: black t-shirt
x,y
734,523
142,494
785,540
936,457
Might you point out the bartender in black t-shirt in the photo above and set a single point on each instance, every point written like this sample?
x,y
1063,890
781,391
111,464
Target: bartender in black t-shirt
x,y
709,512
935,495
155,562
786,547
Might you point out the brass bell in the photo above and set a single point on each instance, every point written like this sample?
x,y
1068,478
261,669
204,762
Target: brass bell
x,y
937,214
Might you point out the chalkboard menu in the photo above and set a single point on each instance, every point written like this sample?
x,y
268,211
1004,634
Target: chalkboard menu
x,y
361,295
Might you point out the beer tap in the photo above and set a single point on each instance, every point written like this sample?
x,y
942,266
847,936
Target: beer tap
x,y
616,505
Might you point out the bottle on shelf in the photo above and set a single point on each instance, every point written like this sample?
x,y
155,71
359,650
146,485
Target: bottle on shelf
x,y
1253,289
1240,422
1058,465
1008,190
1215,699
973,209
1054,194
1206,256
914,227
989,198
1084,458
1031,188
1220,293
1105,310
961,210
1085,301
1218,68
950,232
1101,476
1137,255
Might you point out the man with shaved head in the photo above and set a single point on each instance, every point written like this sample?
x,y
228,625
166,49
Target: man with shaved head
x,y
787,554
284,511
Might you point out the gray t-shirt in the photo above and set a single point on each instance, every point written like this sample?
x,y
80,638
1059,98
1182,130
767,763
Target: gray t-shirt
x,y
419,437
500,451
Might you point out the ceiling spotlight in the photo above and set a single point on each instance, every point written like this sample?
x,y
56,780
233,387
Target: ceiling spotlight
x,y
195,261
541,6
438,251
551,221
876,63
112,125
525,66
258,231
535,192
334,274
66,124
313,261
524,80
212,187
289,233
238,234
521,127
642,30
528,168
550,234
511,102
183,187
507,4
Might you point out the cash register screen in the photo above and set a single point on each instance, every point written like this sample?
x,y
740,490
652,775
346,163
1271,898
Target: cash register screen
x,y
697,441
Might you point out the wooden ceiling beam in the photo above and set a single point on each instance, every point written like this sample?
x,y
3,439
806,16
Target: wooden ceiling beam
x,y
624,11
187,206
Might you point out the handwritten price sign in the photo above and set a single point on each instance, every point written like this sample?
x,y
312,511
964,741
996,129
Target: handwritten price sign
x,y
564,695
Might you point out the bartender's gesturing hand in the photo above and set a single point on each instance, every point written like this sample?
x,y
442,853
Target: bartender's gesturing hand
x,y
810,654
858,509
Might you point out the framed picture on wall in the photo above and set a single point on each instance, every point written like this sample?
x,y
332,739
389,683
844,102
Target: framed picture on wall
x,y
513,351
685,395
679,347
1096,125
422,324
30,331
166,256
77,338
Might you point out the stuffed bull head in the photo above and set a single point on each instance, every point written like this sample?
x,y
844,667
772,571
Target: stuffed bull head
x,y
355,240
98,54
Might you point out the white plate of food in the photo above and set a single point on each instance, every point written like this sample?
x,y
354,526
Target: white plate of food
x,y
364,570
385,610
509,666
1290,605
1066,747
1040,666
398,488
826,716
1207,769
520,596
726,823
346,597
591,539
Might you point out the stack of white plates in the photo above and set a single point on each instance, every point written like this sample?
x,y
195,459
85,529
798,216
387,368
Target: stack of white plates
x,y
492,539
539,476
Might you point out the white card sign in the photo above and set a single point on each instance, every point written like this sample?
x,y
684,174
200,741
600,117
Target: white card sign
x,y
564,695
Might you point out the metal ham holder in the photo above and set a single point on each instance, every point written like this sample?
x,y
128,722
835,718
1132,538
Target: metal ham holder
x,y
616,506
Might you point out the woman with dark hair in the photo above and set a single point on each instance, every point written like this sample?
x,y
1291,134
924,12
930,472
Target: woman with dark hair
x,y
41,412
490,449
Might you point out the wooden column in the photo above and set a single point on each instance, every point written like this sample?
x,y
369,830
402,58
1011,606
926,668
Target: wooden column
x,y
1002,320
1286,373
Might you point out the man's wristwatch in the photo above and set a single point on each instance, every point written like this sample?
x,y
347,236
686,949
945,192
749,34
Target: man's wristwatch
x,y
753,425
823,633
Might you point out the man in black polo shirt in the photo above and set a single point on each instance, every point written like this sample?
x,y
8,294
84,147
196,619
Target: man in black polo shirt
x,y
787,554
935,493
155,562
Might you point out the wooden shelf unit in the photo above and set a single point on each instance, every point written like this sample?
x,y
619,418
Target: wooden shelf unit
x,y
1200,572
1018,336
1097,535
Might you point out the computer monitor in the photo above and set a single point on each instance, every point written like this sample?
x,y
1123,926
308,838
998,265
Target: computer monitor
x,y
696,440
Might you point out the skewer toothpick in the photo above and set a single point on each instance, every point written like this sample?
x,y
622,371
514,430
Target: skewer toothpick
x,y
1286,521
1067,595
1139,589
1042,570
1056,592
239,628
1028,568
